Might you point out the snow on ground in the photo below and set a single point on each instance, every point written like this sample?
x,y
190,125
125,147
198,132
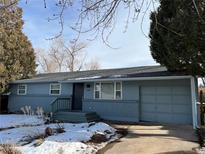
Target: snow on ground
x,y
73,140
17,120
201,150
52,147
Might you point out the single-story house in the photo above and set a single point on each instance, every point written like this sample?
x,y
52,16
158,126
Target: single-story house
x,y
148,93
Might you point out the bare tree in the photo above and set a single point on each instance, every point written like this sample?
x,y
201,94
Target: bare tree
x,y
57,53
92,65
65,57
44,61
99,16
75,55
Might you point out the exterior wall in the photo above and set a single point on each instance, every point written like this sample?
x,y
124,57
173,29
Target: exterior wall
x,y
129,108
126,109
37,95
114,110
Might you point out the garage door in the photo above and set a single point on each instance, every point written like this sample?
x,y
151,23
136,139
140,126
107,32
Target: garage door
x,y
166,104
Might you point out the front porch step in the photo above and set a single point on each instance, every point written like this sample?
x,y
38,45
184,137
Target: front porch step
x,y
67,116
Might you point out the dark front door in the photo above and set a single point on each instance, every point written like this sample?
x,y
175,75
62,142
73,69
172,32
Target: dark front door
x,y
78,90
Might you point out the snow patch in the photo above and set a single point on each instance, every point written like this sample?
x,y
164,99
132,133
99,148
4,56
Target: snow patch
x,y
17,120
86,78
75,139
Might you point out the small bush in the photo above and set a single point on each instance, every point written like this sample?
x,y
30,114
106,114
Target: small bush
x,y
59,128
122,131
98,138
31,138
38,142
48,131
8,149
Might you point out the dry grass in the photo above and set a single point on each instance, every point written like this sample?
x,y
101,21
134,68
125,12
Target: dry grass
x,y
8,149
31,138
98,138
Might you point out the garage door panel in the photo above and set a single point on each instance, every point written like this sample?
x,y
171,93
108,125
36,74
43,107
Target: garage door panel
x,y
148,99
182,118
148,108
184,109
163,90
164,99
164,108
148,90
148,116
165,118
181,99
183,90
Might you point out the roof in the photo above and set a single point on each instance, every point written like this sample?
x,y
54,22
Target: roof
x,y
132,72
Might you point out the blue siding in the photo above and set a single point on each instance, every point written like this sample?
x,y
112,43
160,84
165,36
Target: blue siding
x,y
141,100
126,109
37,95
172,96
113,110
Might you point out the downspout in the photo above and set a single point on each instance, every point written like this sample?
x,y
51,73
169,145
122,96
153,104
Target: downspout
x,y
194,100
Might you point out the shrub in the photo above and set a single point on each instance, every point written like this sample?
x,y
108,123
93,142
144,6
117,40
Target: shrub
x,y
60,128
30,138
98,138
48,131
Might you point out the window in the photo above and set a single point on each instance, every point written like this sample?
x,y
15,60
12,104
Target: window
x,y
22,89
55,89
97,90
108,90
118,90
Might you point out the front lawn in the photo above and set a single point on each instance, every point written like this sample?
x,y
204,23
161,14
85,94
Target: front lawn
x,y
29,136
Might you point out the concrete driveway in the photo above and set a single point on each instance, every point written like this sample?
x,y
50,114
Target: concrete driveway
x,y
154,139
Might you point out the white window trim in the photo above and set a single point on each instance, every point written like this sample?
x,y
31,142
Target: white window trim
x,y
19,89
97,90
55,89
100,95
115,90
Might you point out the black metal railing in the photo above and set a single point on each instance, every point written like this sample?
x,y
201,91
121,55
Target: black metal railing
x,y
62,104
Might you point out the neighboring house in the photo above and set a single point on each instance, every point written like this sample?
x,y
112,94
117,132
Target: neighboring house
x,y
201,89
149,93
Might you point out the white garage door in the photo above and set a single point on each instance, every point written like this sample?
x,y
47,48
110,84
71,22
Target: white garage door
x,y
166,104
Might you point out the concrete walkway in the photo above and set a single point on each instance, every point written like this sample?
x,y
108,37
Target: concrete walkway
x,y
154,139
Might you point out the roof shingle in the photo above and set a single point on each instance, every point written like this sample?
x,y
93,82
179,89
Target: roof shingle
x,y
143,71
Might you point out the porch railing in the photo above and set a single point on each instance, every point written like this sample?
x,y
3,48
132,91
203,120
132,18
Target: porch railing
x,y
62,104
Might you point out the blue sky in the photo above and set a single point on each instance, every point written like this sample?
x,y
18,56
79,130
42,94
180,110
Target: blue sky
x,y
133,46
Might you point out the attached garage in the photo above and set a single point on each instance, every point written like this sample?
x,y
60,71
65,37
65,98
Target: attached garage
x,y
166,104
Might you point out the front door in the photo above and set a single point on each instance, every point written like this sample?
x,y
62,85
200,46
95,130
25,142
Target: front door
x,y
78,91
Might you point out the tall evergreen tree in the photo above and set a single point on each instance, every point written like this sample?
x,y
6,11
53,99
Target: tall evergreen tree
x,y
17,58
177,34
